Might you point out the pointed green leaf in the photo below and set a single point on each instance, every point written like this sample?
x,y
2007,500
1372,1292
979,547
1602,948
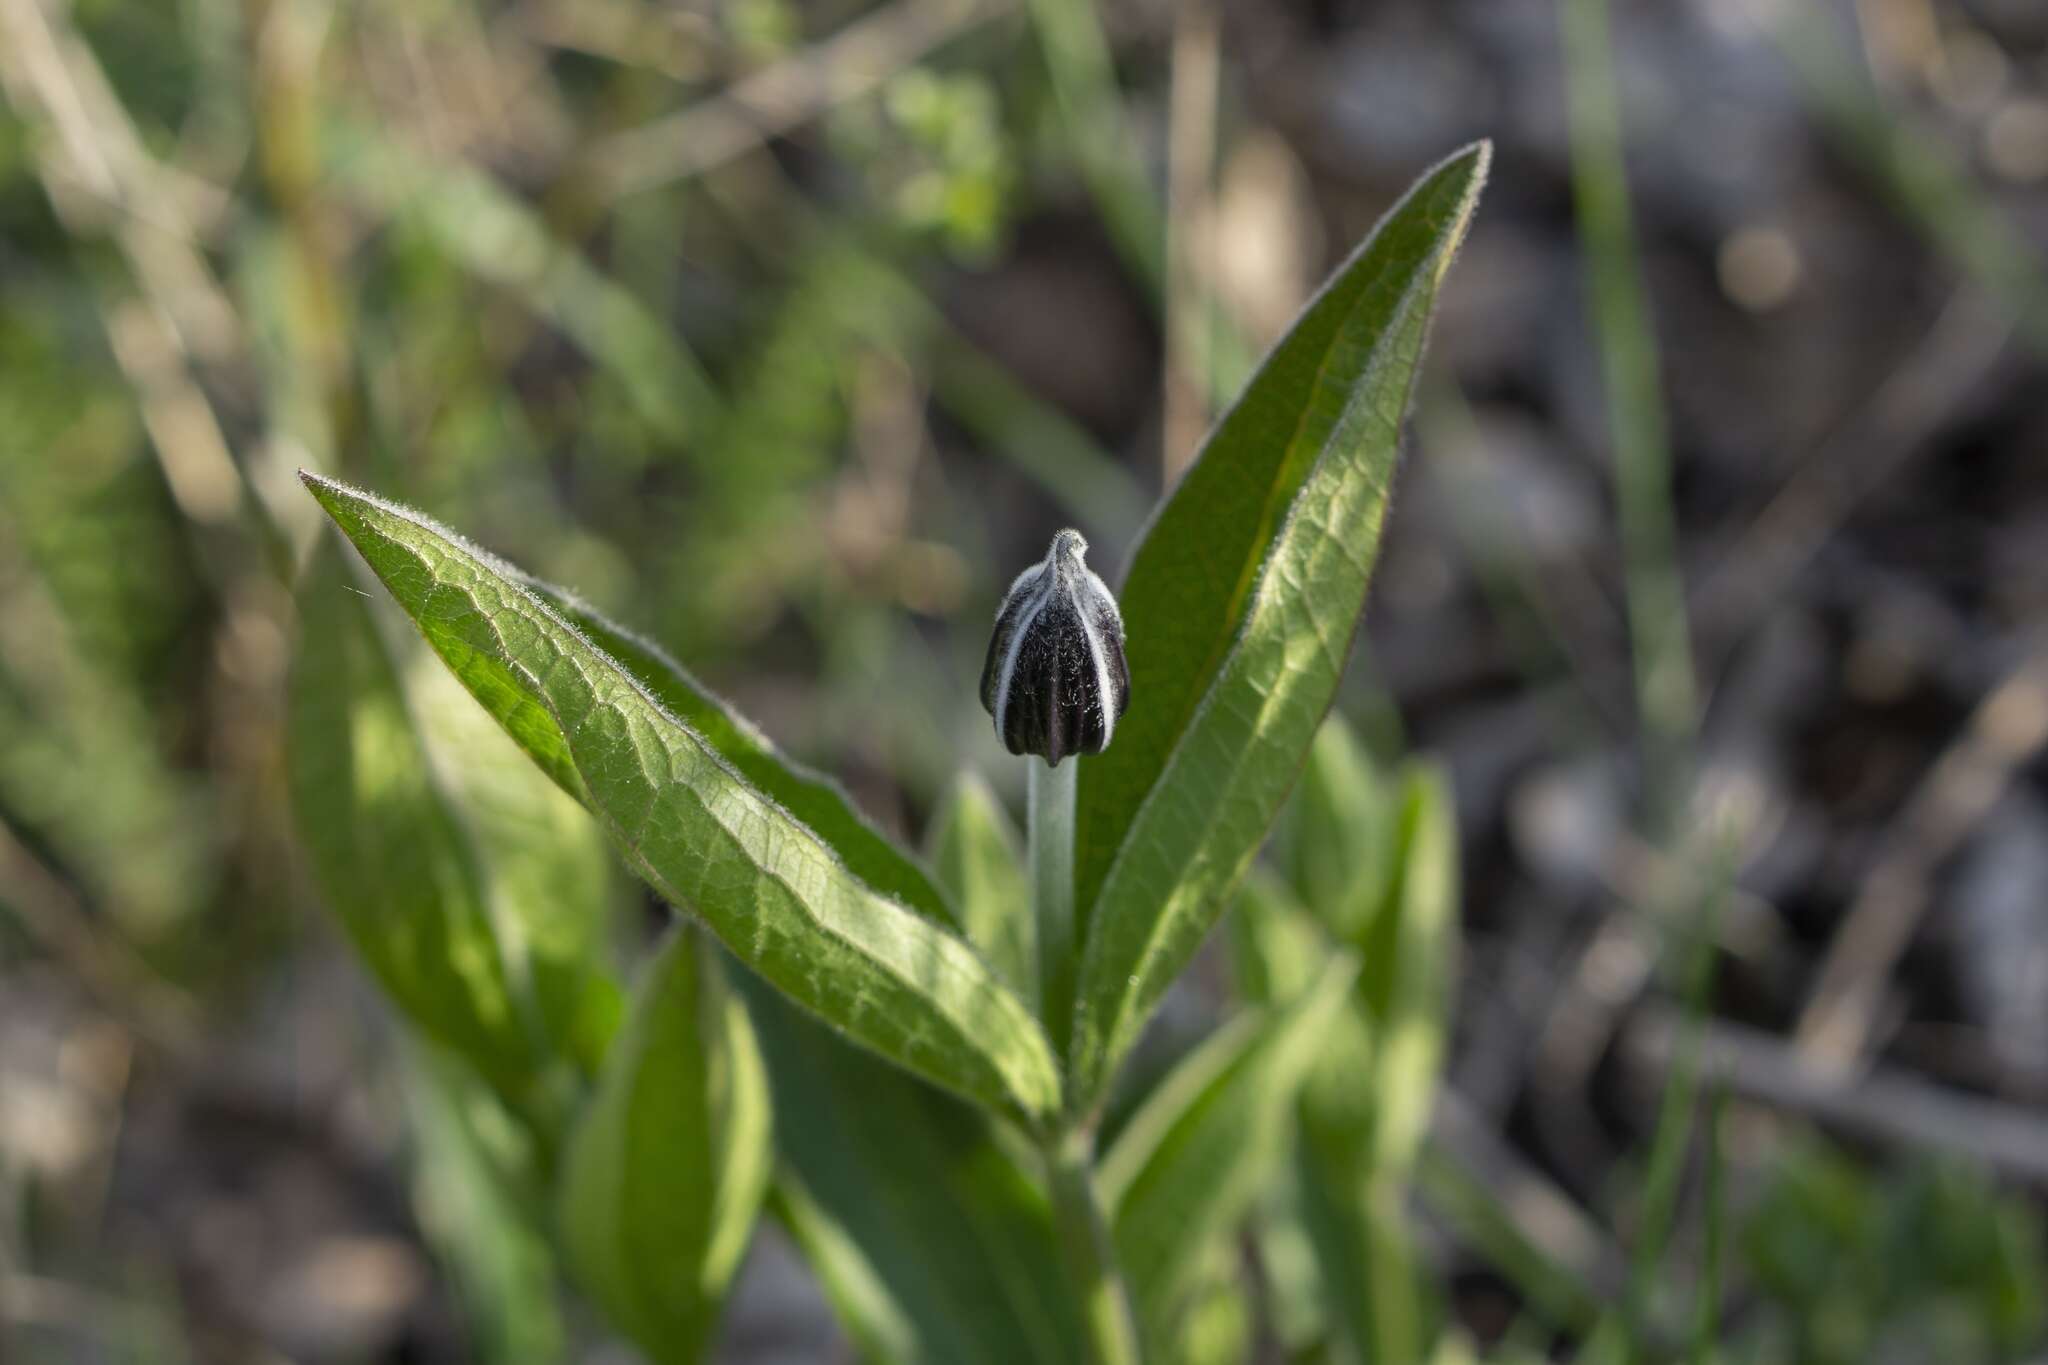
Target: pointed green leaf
x,y
1410,963
690,822
1239,609
1333,836
1366,1105
938,1246
1277,946
669,1163
880,1327
975,856
811,797
472,1198
1191,1162
478,904
546,873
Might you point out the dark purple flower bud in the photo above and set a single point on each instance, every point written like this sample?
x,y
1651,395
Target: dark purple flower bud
x,y
1056,681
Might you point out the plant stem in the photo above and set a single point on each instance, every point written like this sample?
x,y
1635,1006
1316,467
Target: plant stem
x,y
1111,1334
1051,832
1069,1167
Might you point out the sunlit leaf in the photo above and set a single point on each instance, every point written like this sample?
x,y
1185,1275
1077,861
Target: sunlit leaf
x,y
388,845
1239,607
811,797
1190,1163
974,854
708,839
546,874
668,1165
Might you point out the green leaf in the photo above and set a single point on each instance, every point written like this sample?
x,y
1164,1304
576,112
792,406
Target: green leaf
x,y
471,1183
669,1163
881,1330
974,854
1277,945
1410,963
478,902
773,890
547,875
811,797
1190,1163
1239,610
1334,836
1214,1325
1366,1106
931,1239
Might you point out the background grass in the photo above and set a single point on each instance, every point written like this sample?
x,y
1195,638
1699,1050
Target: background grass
x,y
787,332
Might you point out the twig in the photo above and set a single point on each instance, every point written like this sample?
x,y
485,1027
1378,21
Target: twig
x,y
2006,732
770,102
1885,1105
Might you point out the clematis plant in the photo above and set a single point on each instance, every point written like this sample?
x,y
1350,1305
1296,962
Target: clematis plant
x,y
906,1060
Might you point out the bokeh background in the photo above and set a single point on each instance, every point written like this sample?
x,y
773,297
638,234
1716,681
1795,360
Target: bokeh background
x,y
788,331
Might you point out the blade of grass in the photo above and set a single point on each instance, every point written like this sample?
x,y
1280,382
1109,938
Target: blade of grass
x,y
1659,1201
1707,1321
1100,138
496,235
1665,689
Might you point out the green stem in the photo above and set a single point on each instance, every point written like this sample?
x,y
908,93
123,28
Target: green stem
x,y
1069,1166
1091,1269
1051,828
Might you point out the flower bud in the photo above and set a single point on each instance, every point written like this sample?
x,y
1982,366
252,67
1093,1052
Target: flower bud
x,y
1056,681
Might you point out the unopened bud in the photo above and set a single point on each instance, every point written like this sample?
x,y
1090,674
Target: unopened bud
x,y
1056,681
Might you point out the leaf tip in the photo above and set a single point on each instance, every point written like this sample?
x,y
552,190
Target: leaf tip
x,y
326,491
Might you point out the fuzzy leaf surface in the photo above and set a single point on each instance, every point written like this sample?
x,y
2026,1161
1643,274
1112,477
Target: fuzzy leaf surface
x,y
811,797
1239,607
667,1168
475,892
769,886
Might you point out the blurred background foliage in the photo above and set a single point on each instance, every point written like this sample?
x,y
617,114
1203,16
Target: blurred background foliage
x,y
786,331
